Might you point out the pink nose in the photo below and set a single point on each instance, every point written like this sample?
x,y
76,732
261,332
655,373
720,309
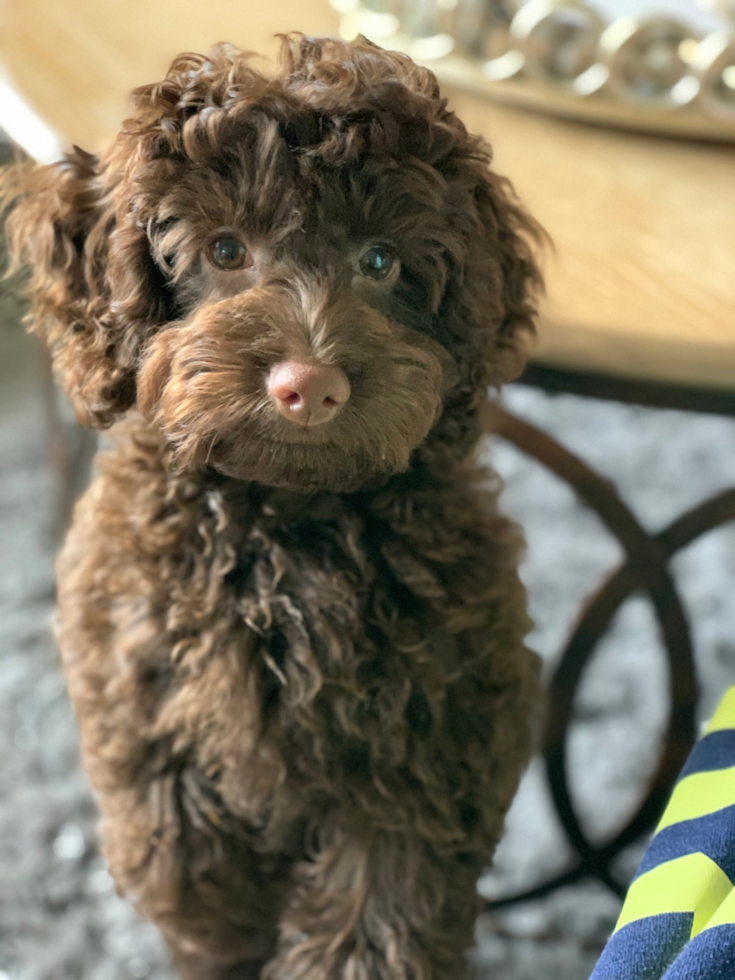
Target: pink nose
x,y
308,394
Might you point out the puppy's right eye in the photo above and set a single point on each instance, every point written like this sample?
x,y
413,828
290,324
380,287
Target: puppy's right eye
x,y
378,262
229,253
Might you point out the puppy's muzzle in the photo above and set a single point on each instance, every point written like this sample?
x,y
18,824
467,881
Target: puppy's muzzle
x,y
308,393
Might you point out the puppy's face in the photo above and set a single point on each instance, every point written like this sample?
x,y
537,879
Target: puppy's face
x,y
298,279
304,351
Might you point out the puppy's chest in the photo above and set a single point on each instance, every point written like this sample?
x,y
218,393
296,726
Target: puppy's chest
x,y
331,616
305,581
334,656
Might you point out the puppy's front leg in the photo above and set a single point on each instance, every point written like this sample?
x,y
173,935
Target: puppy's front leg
x,y
191,872
377,905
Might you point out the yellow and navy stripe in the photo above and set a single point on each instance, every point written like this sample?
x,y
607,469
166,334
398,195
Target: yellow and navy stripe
x,y
678,920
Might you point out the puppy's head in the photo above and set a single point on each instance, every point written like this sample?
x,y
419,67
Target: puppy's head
x,y
297,278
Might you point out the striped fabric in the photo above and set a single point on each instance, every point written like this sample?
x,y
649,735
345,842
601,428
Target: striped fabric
x,y
678,920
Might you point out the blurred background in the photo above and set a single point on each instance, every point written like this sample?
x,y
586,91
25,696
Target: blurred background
x,y
614,120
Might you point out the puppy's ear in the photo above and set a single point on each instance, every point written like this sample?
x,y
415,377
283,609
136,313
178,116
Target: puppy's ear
x,y
90,288
492,300
518,239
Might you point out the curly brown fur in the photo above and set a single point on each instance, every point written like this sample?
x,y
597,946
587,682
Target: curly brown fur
x,y
296,654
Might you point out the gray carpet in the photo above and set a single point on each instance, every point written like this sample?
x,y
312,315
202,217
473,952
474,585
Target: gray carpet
x,y
59,916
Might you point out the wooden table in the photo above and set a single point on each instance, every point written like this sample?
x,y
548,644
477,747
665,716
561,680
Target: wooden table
x,y
642,282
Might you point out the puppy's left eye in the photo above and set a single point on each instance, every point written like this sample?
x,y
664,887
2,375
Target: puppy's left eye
x,y
229,253
378,262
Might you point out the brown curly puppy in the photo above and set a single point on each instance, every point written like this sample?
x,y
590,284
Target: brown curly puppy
x,y
289,609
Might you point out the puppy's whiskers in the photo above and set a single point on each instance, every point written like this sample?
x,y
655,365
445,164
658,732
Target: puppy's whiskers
x,y
212,444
